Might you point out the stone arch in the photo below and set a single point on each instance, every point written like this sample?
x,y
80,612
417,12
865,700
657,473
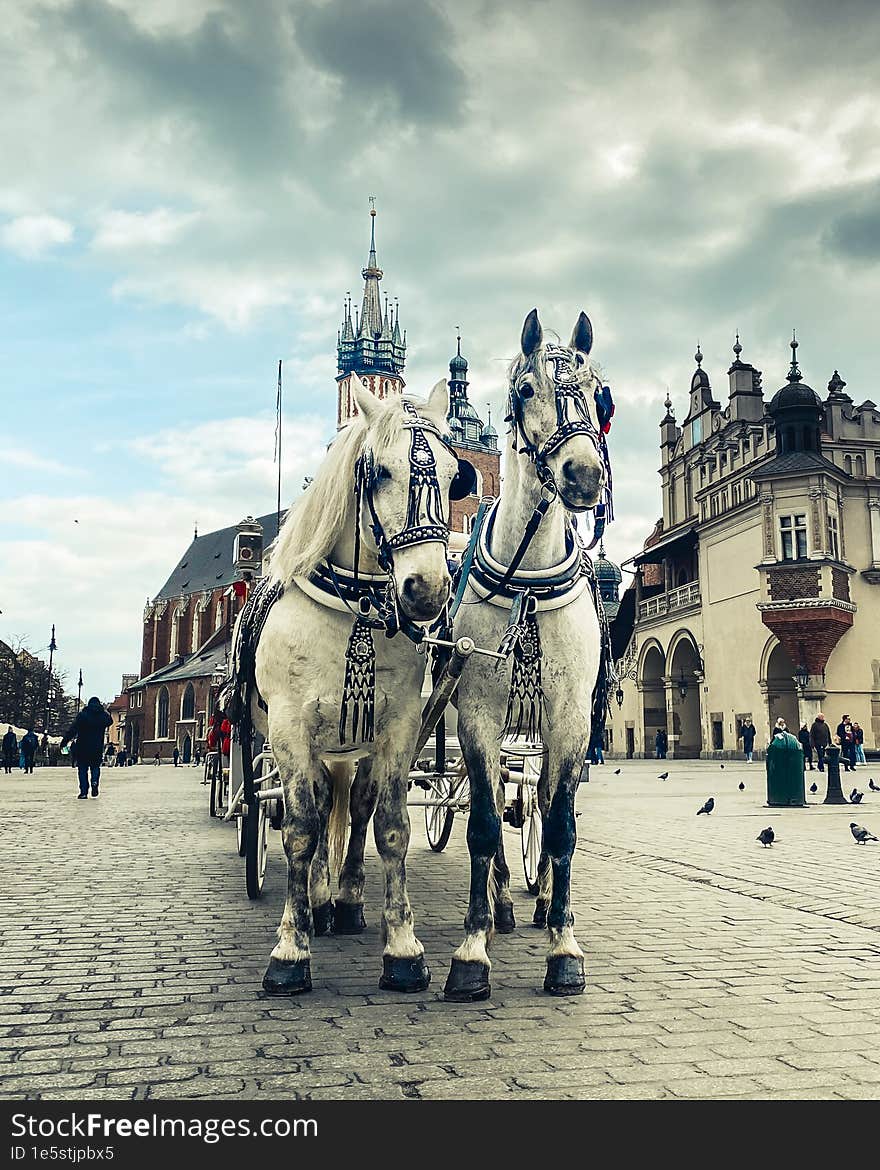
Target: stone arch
x,y
781,689
683,667
651,671
188,702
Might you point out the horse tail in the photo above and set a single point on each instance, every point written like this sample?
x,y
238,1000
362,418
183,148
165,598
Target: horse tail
x,y
341,775
492,888
545,881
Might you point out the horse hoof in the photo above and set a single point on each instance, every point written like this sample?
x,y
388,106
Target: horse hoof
x,y
322,917
565,975
287,977
404,974
539,918
505,923
468,981
348,918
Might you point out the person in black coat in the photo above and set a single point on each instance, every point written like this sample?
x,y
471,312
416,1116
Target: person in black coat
x,y
10,750
29,745
749,732
807,745
88,729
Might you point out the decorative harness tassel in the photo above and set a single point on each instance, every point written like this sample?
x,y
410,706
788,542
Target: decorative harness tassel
x,y
525,700
359,686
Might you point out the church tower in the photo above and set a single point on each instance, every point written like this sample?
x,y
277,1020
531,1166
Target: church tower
x,y
372,346
475,443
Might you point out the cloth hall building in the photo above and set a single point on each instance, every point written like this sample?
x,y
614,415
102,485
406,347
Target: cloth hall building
x,y
758,593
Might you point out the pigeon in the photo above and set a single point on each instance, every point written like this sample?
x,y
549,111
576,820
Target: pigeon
x,y
662,775
617,771
861,835
853,793
766,836
856,798
872,785
707,807
813,787
722,767
742,786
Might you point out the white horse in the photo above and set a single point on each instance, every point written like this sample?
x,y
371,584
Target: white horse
x,y
376,513
553,466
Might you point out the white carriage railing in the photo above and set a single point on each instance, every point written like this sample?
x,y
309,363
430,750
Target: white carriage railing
x,y
680,598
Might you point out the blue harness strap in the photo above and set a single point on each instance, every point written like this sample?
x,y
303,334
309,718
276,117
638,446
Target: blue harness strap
x,y
468,558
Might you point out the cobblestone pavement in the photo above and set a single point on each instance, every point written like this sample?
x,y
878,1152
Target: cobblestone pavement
x,y
131,957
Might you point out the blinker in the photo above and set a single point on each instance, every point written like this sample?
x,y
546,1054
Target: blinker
x,y
464,483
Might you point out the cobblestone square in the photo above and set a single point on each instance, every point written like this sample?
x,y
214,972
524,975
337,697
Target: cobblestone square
x,y
132,958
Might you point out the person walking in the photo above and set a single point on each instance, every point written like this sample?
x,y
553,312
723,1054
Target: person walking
x,y
806,744
749,732
10,750
859,737
157,758
820,738
120,758
88,729
29,745
661,743
175,755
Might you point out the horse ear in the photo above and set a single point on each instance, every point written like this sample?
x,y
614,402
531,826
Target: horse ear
x,y
532,334
364,400
437,406
582,334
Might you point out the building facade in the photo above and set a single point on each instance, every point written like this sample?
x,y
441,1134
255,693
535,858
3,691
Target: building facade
x,y
757,594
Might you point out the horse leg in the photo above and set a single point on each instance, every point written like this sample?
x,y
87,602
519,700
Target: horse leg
x,y
545,872
502,905
289,970
403,959
565,959
320,898
349,916
468,978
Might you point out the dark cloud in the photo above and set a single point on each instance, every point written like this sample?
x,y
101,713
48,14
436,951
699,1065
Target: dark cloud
x,y
855,235
383,51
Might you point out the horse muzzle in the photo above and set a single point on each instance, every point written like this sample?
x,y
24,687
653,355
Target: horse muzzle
x,y
580,486
422,598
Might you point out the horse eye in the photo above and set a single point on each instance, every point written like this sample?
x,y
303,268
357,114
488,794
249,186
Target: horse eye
x,y
526,389
381,474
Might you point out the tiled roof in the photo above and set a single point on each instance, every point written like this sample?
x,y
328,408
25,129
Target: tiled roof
x,y
207,562
794,463
199,665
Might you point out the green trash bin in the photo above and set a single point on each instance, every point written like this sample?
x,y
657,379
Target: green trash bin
x,y
785,773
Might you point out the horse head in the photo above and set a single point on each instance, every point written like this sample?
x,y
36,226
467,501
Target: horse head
x,y
552,393
406,474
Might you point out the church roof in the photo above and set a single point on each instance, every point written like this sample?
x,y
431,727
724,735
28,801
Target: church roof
x,y
207,562
795,392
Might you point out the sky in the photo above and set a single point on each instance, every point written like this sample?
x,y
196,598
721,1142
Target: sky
x,y
184,201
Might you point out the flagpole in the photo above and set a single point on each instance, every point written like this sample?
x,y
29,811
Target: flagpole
x,y
278,441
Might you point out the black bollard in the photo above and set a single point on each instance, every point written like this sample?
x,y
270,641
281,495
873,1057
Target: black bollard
x,y
834,793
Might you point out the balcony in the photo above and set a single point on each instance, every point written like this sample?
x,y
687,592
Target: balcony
x,y
684,597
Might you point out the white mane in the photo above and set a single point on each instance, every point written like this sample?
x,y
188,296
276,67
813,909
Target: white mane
x,y
315,522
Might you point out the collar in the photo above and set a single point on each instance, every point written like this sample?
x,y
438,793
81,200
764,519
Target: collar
x,y
554,587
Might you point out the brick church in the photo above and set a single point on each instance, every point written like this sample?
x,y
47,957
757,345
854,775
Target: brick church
x,y
187,626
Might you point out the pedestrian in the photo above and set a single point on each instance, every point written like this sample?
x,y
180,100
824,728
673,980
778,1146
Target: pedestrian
x,y
88,730
10,750
29,745
859,737
157,758
661,743
594,752
120,758
175,755
197,759
820,738
804,737
847,744
749,731
779,728
44,749
111,755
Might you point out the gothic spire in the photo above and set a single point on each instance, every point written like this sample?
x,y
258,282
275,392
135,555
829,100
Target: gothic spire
x,y
371,308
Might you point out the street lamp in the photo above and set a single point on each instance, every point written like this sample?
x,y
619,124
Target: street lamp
x,y
79,688
52,648
618,694
682,684
802,671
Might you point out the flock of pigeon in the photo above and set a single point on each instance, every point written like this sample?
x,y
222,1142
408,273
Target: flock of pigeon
x,y
767,836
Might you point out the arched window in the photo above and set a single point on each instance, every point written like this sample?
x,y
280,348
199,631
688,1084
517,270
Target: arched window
x,y
162,714
808,438
847,464
175,634
188,704
877,466
860,465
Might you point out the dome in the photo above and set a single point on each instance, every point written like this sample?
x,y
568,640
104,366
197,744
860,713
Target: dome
x,y
455,424
607,571
794,394
489,432
458,364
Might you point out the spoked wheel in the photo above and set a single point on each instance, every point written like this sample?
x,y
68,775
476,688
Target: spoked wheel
x,y
531,833
438,820
241,834
257,847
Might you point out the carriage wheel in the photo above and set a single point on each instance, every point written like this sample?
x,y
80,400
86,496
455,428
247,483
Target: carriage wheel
x,y
257,847
215,777
438,820
241,834
531,833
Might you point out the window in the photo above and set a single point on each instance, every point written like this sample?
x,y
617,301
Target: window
x,y
833,538
877,466
188,706
860,465
197,621
175,634
162,714
793,531
696,432
847,464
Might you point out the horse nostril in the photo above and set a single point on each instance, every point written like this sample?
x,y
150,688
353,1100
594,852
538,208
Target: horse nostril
x,y
569,470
